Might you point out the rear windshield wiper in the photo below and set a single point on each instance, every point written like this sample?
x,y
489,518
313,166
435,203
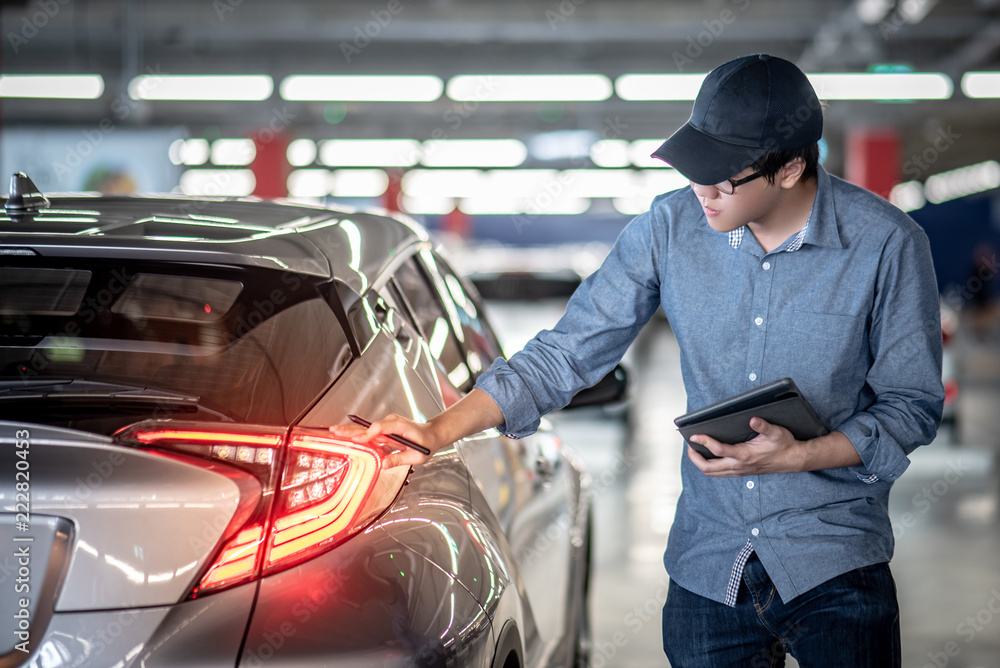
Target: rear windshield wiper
x,y
78,394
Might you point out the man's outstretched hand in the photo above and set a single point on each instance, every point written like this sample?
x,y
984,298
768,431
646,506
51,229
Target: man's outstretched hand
x,y
377,434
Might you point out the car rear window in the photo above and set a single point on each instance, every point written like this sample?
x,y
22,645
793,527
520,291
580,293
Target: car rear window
x,y
41,291
180,298
254,346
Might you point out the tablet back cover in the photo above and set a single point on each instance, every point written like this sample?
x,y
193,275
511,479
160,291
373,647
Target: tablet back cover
x,y
728,421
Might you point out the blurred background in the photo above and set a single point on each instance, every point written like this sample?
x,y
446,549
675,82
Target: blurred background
x,y
520,133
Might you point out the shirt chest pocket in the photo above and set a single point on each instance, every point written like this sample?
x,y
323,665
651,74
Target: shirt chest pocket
x,y
811,325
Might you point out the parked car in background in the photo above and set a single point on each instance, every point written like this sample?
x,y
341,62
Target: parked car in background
x,y
949,371
169,368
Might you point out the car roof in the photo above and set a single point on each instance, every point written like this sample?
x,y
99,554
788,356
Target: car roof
x,y
352,246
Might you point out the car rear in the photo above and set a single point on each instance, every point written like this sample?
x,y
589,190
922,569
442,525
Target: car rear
x,y
154,469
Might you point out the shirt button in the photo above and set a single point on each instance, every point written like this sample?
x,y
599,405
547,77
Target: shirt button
x,y
755,531
749,484
766,266
758,321
753,376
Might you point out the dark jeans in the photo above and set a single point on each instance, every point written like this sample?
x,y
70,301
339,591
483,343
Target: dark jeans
x,y
851,621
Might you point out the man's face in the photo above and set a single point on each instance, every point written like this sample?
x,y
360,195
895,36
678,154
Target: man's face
x,y
750,202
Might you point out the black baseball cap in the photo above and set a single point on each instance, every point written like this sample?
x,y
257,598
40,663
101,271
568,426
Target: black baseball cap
x,y
745,108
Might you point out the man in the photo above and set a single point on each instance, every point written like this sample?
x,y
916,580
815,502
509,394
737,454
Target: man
x,y
766,267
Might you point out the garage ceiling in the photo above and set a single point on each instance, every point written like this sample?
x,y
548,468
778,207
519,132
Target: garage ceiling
x,y
122,39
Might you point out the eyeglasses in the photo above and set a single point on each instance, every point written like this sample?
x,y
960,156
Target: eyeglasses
x,y
728,187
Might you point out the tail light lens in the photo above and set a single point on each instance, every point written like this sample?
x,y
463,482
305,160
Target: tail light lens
x,y
312,491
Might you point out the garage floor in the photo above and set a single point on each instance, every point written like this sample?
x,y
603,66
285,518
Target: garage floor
x,y
947,562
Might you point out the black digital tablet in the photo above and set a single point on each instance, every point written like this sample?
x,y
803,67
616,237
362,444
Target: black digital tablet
x,y
728,421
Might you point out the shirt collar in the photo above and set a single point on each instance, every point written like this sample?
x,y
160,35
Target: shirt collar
x,y
821,228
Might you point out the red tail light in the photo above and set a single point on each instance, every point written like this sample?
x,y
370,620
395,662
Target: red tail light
x,y
314,491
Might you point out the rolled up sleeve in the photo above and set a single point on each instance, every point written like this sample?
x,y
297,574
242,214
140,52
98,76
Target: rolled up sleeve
x,y
602,319
903,395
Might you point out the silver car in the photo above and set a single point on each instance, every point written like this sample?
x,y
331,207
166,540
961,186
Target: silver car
x,y
170,494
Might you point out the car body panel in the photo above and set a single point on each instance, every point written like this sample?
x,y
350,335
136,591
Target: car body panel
x,y
369,602
198,634
112,495
537,513
407,392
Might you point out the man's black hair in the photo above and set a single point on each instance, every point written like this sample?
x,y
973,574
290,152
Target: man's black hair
x,y
771,162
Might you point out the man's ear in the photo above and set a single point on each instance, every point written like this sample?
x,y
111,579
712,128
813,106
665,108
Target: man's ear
x,y
791,173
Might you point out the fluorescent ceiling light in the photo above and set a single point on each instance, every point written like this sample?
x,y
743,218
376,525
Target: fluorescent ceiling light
x,y
872,11
309,183
539,185
237,152
981,84
358,88
473,153
663,182
218,182
610,153
864,86
190,152
561,144
474,183
520,182
914,11
494,205
301,152
200,87
961,182
640,153
631,206
600,182
851,86
359,183
490,205
649,184
635,87
428,205
370,152
444,183
529,88
52,86
908,196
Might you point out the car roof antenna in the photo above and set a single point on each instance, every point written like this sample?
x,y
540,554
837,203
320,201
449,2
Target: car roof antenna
x,y
25,197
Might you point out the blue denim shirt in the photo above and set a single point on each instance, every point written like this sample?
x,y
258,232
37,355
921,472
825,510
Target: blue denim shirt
x,y
851,314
